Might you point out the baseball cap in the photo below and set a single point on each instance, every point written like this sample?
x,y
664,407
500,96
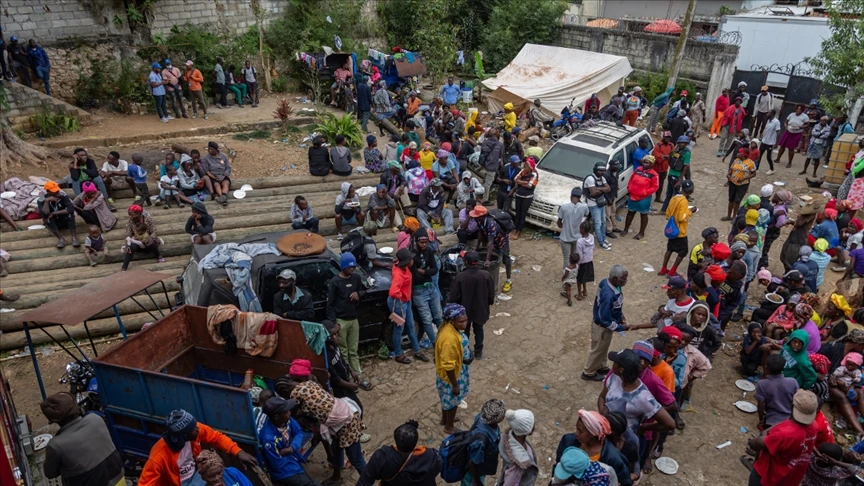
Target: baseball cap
x,y
347,260
189,63
804,406
676,283
515,158
471,257
573,463
167,61
436,182
288,274
793,276
673,332
576,192
466,175
156,66
687,186
644,349
626,358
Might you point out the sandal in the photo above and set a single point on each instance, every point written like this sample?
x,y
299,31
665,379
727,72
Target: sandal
x,y
403,359
364,438
365,385
61,244
747,462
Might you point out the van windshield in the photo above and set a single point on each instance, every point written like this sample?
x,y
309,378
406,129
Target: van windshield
x,y
571,161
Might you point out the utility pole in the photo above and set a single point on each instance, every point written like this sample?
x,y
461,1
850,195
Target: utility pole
x,y
682,42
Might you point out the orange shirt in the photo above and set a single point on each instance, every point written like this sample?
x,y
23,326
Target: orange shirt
x,y
194,78
161,468
400,284
411,107
665,373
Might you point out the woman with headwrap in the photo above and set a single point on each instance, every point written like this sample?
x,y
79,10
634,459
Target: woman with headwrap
x,y
404,462
594,436
826,228
837,310
483,452
821,365
340,424
93,208
798,365
821,258
214,473
140,236
172,458
409,227
517,454
452,363
96,464
798,236
780,200
852,187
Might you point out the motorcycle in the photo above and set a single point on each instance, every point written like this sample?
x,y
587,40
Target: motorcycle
x,y
82,385
345,97
570,120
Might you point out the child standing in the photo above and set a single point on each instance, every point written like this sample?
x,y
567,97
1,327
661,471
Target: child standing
x,y
585,250
139,177
95,248
570,277
849,371
774,393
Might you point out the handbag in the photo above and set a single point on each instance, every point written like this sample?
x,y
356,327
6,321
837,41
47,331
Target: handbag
x,y
396,318
671,230
381,482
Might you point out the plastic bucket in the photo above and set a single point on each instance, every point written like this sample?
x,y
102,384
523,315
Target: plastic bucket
x,y
467,96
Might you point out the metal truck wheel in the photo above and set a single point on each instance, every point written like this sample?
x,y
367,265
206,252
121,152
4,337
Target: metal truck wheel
x,y
558,132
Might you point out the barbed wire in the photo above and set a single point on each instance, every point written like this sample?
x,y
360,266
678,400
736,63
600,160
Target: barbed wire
x,y
799,69
732,38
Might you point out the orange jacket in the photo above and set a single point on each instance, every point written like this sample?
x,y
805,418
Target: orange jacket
x,y
161,468
194,78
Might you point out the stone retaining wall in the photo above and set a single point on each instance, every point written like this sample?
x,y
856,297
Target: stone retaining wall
x,y
25,102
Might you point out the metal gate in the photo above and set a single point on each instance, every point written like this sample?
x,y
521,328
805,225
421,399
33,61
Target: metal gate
x,y
801,90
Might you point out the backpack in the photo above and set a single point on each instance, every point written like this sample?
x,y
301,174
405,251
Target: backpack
x,y
454,454
504,220
353,243
676,160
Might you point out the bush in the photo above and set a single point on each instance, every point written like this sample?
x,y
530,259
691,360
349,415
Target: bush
x,y
280,84
329,126
304,27
514,23
257,134
49,125
654,84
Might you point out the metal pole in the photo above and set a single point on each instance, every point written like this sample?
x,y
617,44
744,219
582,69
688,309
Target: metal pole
x,y
682,43
90,337
35,361
158,309
120,321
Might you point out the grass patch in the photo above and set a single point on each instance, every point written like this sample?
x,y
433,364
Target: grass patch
x,y
292,129
257,134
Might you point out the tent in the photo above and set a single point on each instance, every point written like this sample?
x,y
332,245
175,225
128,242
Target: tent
x,y
555,75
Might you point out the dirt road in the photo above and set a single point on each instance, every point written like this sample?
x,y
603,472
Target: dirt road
x,y
543,347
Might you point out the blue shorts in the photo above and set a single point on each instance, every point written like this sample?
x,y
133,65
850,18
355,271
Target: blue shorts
x,y
643,206
349,220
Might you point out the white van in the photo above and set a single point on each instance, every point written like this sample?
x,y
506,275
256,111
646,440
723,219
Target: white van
x,y
572,158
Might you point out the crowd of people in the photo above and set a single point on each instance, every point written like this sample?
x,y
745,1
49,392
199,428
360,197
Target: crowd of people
x,y
799,350
24,62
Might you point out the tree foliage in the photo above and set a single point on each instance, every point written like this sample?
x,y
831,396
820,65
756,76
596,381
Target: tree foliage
x,y
435,36
514,23
841,59
304,27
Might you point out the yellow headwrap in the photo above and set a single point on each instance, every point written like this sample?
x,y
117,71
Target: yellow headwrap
x,y
508,106
840,302
820,245
751,218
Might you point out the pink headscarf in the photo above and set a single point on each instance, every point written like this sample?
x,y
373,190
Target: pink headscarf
x,y
596,423
831,214
300,367
853,357
88,187
763,274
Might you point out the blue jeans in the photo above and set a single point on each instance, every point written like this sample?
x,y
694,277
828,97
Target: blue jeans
x,y
598,215
404,310
161,107
355,456
44,74
310,224
429,307
671,191
76,186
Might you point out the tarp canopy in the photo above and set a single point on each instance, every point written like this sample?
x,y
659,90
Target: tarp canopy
x,y
555,75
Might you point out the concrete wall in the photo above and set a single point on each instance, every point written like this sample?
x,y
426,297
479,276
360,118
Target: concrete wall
x,y
25,102
710,63
49,21
226,15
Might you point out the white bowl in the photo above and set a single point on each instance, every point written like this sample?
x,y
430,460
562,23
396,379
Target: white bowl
x,y
666,465
745,385
246,187
747,407
239,194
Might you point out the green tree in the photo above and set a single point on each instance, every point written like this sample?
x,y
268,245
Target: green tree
x,y
304,27
841,60
514,23
435,37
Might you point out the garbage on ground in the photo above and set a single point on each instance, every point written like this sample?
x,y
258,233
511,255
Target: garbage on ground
x,y
498,332
537,268
725,444
743,430
502,314
504,297
463,404
6,310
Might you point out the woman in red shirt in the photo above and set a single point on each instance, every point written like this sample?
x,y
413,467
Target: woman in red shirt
x,y
643,184
661,154
720,106
399,302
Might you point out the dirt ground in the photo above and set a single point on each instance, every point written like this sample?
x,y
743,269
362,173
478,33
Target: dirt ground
x,y
544,343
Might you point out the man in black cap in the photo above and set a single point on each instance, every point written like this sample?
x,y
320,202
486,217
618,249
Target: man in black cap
x,y
698,254
282,439
291,302
475,291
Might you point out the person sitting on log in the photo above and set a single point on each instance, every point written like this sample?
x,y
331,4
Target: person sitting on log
x,y
57,213
200,225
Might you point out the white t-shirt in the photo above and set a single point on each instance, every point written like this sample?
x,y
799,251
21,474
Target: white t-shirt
x,y
186,462
796,123
675,308
772,128
855,240
249,74
173,181
122,166
592,181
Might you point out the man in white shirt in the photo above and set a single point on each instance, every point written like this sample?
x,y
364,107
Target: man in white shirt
x,y
770,132
764,104
594,188
570,216
251,78
114,174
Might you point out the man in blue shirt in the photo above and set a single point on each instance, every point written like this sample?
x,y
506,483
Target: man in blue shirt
x,y
608,318
40,63
450,92
157,89
483,453
364,102
282,438
640,153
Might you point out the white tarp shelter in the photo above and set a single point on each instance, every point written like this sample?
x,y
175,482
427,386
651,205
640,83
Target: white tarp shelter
x,y
555,75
